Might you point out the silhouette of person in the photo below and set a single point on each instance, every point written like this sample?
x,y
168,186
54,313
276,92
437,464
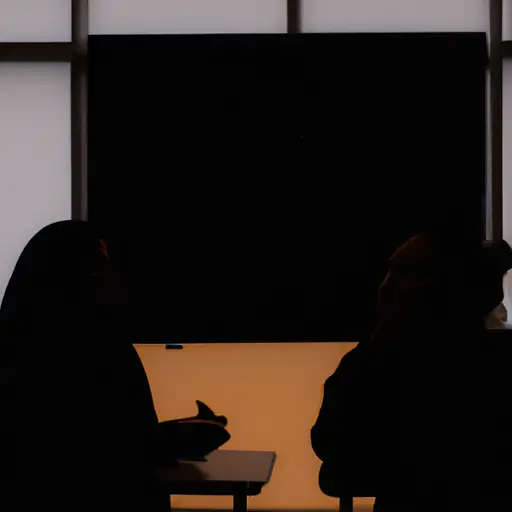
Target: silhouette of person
x,y
398,408
78,418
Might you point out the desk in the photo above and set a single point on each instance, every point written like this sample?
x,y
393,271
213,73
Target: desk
x,y
224,473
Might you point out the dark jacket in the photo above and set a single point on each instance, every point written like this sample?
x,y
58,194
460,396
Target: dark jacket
x,y
419,422
416,407
356,432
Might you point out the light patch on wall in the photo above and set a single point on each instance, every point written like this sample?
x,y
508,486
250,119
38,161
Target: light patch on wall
x,y
395,15
186,16
35,155
270,393
35,20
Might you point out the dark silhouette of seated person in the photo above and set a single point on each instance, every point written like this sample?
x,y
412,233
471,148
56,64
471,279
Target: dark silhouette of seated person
x,y
397,410
79,427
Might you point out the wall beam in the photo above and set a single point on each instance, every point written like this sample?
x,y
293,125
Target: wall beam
x,y
79,38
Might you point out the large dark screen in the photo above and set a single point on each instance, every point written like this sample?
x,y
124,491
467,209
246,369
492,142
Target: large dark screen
x,y
254,186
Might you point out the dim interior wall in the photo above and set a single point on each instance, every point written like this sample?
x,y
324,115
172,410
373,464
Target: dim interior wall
x,y
271,395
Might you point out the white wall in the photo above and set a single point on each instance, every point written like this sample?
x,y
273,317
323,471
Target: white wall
x,y
274,389
35,20
35,169
395,15
186,16
35,140
507,16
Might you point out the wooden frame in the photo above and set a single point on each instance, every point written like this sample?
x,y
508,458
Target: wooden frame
x,y
79,38
75,53
293,16
36,52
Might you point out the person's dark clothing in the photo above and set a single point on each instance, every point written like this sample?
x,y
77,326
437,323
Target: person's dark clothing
x,y
412,427
412,414
78,420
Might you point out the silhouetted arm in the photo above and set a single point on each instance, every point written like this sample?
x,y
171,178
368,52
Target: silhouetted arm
x,y
358,415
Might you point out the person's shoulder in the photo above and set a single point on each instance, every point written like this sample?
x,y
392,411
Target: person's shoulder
x,y
363,358
348,362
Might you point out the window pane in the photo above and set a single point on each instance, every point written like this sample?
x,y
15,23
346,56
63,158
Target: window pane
x,y
35,141
186,16
395,15
35,20
507,16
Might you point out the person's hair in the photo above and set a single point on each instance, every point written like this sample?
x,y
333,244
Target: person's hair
x,y
466,275
52,283
441,255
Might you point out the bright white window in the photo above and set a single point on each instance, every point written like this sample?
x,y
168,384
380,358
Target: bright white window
x,y
395,15
507,17
35,156
186,16
35,20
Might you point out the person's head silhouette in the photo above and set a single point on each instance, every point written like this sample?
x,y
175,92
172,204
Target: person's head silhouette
x,y
431,282
408,281
61,286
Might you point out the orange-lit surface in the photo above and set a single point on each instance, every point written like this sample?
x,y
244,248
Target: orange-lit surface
x,y
270,394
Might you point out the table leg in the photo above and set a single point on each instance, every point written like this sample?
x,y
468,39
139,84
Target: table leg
x,y
240,502
346,504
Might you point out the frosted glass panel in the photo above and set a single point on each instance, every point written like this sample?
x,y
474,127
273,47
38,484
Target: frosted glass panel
x,y
35,142
35,20
186,16
395,15
507,17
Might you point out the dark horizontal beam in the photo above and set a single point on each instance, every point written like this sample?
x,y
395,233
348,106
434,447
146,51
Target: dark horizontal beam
x,y
506,49
36,52
64,52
